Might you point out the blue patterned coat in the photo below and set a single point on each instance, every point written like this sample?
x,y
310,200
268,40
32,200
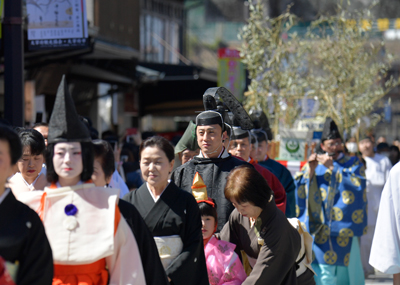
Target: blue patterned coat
x,y
333,207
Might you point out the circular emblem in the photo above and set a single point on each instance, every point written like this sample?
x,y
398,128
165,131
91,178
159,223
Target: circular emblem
x,y
339,177
357,216
342,241
301,192
348,197
327,177
70,223
355,180
337,214
323,193
292,146
330,257
345,232
365,230
347,259
165,250
322,236
297,210
317,197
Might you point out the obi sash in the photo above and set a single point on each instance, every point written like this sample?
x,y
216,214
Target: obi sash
x,y
87,274
169,247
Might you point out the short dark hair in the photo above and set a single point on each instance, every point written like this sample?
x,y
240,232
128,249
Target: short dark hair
x,y
161,143
14,143
103,151
245,184
87,162
33,139
208,210
40,124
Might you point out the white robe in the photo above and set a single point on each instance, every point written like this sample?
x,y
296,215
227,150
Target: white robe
x,y
385,250
88,236
377,172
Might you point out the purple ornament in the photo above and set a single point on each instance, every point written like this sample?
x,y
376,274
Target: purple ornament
x,y
70,210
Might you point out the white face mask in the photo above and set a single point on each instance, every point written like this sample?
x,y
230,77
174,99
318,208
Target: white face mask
x,y
352,147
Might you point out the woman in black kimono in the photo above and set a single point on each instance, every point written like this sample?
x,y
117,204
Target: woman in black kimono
x,y
171,214
271,244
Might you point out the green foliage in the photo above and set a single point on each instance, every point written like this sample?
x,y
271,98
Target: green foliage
x,y
336,62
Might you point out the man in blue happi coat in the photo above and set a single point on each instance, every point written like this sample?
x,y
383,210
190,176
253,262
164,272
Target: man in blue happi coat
x,y
332,203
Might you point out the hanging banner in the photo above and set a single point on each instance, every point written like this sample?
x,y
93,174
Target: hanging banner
x,y
57,24
231,72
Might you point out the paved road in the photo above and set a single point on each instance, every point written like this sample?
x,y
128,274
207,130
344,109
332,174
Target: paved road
x,y
379,278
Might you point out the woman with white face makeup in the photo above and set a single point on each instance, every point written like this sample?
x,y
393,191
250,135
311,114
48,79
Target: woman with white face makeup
x,y
91,244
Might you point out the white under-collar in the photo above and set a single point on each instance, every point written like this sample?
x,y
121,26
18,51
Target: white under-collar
x,y
152,195
222,154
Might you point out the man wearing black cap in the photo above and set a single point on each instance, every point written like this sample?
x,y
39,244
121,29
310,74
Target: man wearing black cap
x,y
240,147
213,163
332,203
260,136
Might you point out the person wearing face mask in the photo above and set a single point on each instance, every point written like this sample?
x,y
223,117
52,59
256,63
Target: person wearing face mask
x,y
332,203
377,172
351,147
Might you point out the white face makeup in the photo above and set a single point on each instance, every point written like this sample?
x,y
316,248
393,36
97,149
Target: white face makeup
x,y
67,161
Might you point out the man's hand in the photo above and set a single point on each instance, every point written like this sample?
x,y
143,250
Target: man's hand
x,y
312,163
325,160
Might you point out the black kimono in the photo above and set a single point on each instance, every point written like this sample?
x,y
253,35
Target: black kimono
x,y
175,213
276,258
214,172
23,241
152,267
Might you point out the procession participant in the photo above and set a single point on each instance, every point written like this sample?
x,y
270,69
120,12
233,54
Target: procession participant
x,y
103,169
385,250
240,146
42,128
171,215
187,147
332,202
214,163
91,244
30,175
24,247
262,134
223,264
377,172
278,251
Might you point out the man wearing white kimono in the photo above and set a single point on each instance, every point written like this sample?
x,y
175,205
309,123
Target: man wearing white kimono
x,y
377,172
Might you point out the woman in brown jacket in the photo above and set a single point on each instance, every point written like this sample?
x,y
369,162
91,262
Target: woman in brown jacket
x,y
271,244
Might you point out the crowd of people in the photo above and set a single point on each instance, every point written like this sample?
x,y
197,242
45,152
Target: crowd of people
x,y
213,209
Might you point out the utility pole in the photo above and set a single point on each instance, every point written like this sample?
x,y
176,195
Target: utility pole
x,y
13,63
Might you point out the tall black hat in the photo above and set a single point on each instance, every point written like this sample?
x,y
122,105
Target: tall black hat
x,y
220,100
188,140
330,131
65,125
261,124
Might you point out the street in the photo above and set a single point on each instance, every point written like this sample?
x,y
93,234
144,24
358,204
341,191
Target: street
x,y
379,278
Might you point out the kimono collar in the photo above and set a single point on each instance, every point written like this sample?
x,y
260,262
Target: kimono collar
x,y
4,195
200,159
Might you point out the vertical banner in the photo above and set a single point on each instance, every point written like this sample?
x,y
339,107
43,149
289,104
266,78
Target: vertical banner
x,y
231,72
56,24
